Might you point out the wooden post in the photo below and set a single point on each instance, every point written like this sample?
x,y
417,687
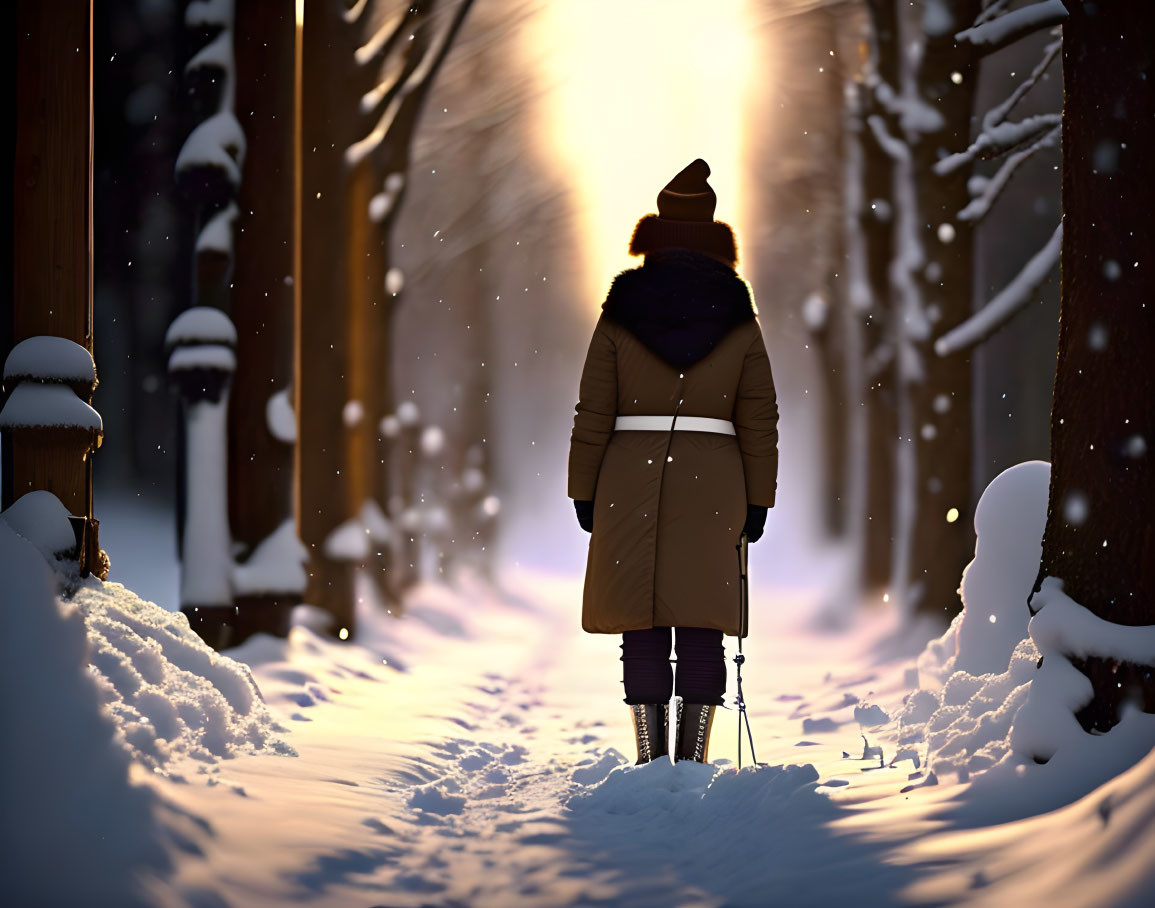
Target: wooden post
x,y
330,93
52,213
260,463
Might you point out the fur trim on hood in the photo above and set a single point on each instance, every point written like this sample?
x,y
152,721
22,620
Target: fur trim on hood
x,y
680,304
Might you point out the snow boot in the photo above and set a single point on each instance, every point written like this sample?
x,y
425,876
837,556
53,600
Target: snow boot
x,y
694,721
652,729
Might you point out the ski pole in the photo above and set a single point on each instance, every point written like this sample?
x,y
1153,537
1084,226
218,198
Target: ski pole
x,y
739,658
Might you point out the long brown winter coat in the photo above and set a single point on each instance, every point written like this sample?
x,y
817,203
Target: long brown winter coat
x,y
669,507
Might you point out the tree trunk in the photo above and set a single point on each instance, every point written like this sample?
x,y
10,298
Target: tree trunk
x,y
329,98
831,340
877,231
260,465
52,210
355,161
1100,532
942,533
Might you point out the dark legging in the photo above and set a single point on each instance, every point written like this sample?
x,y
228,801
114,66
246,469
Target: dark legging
x,y
649,677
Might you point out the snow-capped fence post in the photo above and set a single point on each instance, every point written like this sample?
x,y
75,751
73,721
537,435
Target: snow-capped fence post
x,y
1099,540
49,430
262,427
50,301
201,365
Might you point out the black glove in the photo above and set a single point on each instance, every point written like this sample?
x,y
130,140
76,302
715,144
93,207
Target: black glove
x,y
585,514
755,522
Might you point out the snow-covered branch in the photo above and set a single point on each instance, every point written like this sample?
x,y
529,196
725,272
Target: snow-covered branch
x,y
896,149
1008,28
383,40
999,113
411,88
994,187
1000,139
1009,300
993,9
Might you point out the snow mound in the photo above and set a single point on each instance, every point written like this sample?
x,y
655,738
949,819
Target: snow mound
x,y
40,518
218,143
201,325
965,727
49,358
277,565
1009,522
748,835
210,357
976,676
32,405
73,829
170,694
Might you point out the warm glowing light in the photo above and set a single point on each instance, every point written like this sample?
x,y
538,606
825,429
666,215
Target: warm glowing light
x,y
952,515
886,597
639,90
343,633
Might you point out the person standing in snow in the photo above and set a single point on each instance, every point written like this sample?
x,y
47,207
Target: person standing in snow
x,y
674,454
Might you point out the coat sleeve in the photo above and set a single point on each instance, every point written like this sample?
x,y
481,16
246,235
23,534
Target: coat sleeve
x,y
597,407
756,424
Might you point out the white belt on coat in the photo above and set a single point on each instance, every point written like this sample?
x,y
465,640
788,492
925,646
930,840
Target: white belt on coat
x,y
682,423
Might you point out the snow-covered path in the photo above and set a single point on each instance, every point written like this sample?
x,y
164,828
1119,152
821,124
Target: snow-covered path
x,y
471,752
472,769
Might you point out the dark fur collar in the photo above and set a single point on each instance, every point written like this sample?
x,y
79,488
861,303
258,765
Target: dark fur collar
x,y
680,304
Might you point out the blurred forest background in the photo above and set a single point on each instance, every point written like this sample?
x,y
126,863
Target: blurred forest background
x,y
546,132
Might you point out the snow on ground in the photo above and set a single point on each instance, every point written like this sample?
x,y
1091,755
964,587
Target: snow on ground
x,y
73,827
475,751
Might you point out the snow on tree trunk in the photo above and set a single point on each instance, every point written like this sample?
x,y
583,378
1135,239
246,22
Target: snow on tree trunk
x,y
260,459
1100,534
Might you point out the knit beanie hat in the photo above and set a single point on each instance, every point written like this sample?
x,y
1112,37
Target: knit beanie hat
x,y
685,218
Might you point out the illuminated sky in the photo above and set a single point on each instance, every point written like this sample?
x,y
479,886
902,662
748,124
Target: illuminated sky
x,y
638,89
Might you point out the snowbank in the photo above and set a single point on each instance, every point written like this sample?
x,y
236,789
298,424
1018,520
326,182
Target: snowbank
x,y
975,677
73,829
170,694
999,695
